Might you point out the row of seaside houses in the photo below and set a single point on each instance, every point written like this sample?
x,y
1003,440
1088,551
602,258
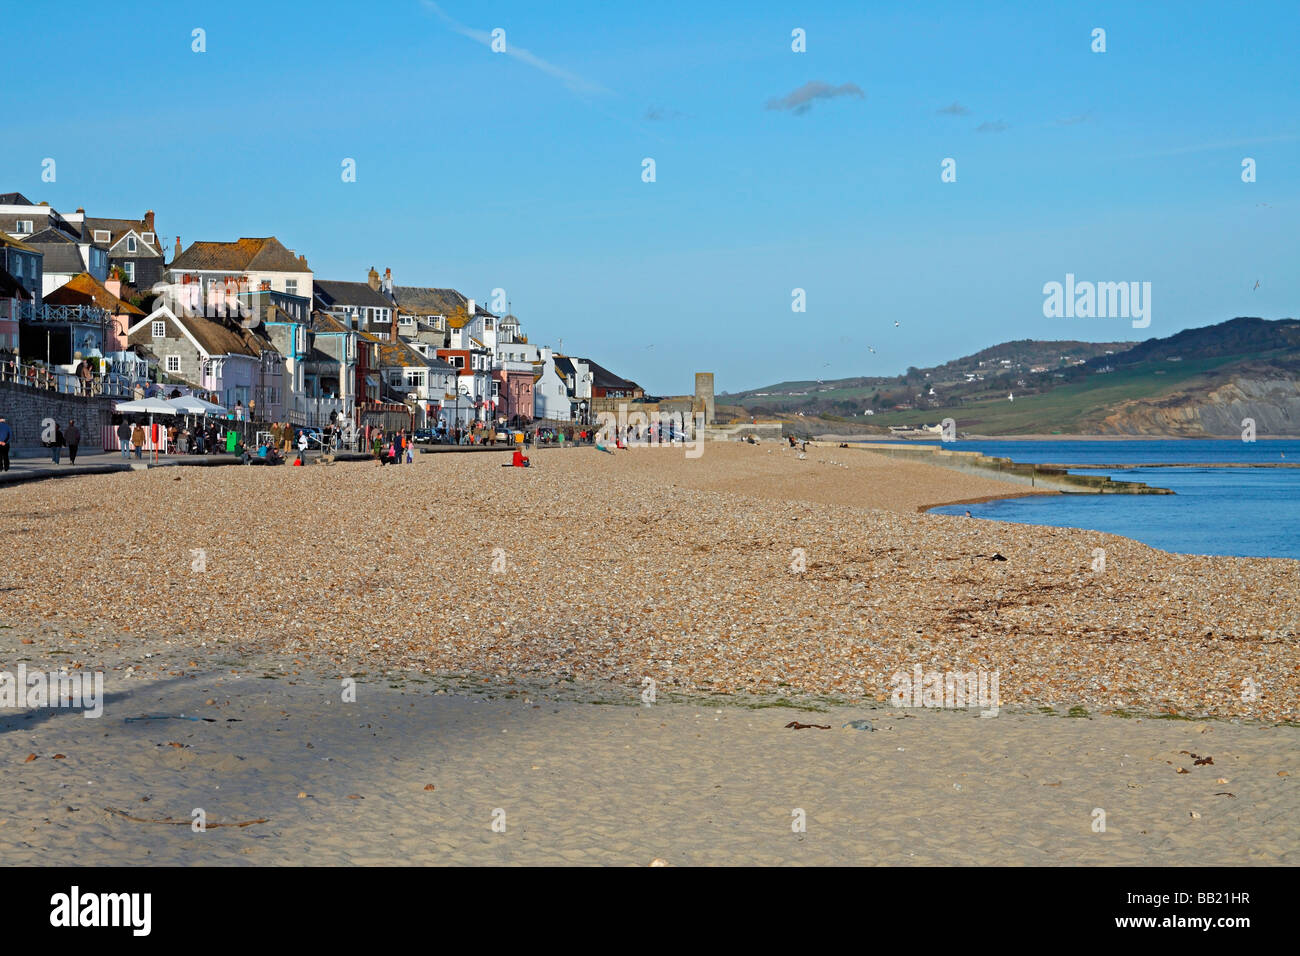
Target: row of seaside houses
x,y
250,325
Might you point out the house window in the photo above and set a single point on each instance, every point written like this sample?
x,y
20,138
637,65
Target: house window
x,y
129,269
291,286
130,243
265,285
406,320
148,237
24,226
456,361
173,363
159,330
102,235
415,378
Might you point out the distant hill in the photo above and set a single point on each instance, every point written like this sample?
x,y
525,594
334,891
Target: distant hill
x,y
1195,382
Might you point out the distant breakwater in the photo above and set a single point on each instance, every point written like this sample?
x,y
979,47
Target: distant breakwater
x,y
1042,477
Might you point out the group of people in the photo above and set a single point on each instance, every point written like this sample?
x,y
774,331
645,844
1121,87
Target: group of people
x,y
69,438
390,450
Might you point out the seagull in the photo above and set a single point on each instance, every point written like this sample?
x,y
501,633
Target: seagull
x,y
895,323
1256,285
871,350
1010,397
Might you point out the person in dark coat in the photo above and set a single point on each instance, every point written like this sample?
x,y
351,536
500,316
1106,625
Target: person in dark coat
x,y
72,435
58,444
6,436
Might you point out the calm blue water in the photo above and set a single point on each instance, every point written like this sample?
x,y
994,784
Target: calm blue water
x,y
1247,512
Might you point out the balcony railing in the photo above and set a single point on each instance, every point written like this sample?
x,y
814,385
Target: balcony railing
x,y
57,380
84,314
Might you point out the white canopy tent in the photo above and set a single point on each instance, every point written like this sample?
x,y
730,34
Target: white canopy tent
x,y
192,405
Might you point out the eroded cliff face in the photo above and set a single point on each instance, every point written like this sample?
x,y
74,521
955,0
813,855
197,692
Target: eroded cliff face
x,y
1218,411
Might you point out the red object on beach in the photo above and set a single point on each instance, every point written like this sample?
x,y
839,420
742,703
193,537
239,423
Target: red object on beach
x,y
518,460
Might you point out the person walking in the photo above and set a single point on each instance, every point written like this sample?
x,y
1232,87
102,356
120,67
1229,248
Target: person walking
x,y
124,439
302,443
72,435
137,440
6,436
58,443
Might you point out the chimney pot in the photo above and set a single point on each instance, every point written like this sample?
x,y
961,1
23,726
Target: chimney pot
x,y
178,246
148,221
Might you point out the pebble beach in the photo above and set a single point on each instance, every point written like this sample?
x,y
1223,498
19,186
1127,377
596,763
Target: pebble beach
x,y
745,585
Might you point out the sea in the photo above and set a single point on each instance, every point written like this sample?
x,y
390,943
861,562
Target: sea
x,y
1233,508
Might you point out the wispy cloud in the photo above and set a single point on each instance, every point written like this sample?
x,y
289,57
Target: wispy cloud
x,y
658,114
572,81
996,126
955,109
801,100
1210,147
1072,120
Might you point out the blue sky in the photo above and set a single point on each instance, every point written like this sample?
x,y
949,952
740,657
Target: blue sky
x,y
523,170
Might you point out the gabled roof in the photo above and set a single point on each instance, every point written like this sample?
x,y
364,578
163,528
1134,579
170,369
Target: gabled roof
x,y
324,322
118,229
242,255
7,240
426,301
394,354
85,289
62,254
212,335
334,292
602,377
15,199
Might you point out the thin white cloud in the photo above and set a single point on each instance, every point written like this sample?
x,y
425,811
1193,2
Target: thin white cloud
x,y
956,109
994,127
572,81
1208,147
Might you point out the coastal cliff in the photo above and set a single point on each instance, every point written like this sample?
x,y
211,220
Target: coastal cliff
x,y
1272,402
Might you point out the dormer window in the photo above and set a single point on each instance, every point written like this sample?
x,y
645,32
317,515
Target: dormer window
x,y
148,237
102,235
24,226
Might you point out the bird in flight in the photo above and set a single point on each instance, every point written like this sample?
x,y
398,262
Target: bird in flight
x,y
1256,285
871,350
895,323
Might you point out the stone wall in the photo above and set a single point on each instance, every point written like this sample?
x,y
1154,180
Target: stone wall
x,y
24,408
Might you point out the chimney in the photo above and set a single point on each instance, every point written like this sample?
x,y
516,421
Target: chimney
x,y
148,221
373,279
388,283
178,247
80,210
114,286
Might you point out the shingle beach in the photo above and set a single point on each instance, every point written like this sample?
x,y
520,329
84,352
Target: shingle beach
x,y
482,610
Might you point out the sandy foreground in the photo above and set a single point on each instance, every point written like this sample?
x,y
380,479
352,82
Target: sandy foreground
x,y
500,625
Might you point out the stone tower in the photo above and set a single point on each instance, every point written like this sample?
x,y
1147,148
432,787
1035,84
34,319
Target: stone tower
x,y
704,395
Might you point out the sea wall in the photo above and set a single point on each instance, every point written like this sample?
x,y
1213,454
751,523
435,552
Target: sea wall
x,y
1044,477
24,408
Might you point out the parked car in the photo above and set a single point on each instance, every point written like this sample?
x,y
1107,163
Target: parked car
x,y
423,436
